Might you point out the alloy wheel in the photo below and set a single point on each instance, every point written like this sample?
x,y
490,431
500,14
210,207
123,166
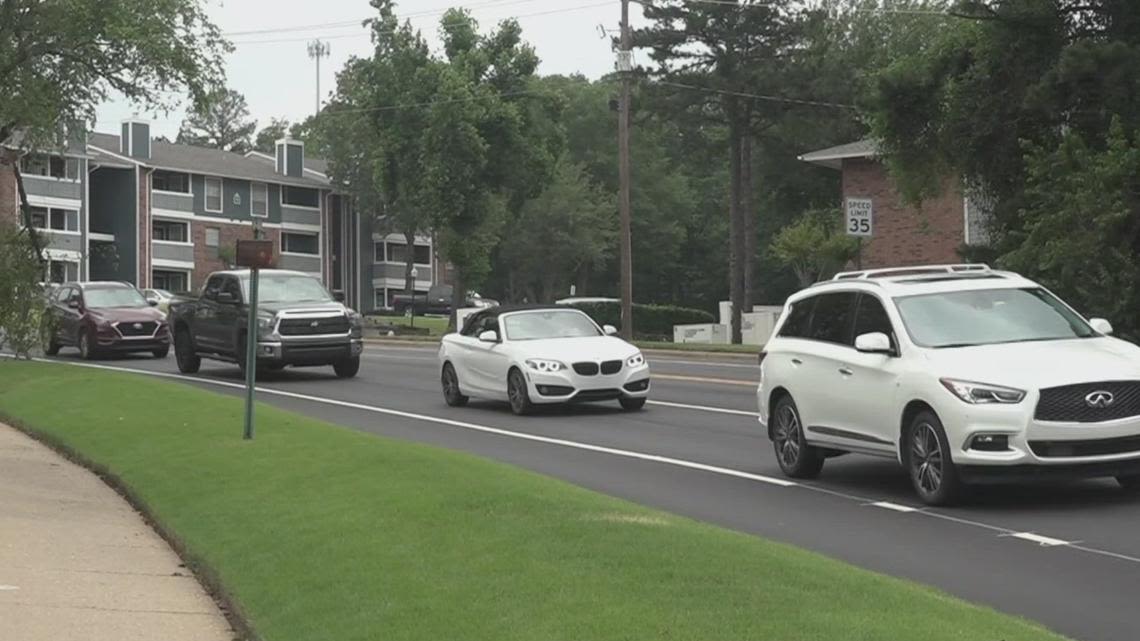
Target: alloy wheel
x,y
926,459
515,392
787,436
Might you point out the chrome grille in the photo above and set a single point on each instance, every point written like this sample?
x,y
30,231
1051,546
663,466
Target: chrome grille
x,y
313,326
1068,404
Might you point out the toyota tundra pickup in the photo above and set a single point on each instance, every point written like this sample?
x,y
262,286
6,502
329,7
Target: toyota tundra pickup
x,y
298,324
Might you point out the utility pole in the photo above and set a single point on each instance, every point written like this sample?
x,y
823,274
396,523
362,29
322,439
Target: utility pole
x,y
318,50
625,68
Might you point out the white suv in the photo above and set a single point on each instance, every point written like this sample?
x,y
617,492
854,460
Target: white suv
x,y
961,373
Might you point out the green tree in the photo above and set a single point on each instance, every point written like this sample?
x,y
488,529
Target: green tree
x,y
267,137
222,122
815,247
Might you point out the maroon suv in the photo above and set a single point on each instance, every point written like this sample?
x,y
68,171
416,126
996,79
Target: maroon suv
x,y
101,318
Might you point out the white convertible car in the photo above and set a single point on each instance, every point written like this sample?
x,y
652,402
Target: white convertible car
x,y
540,355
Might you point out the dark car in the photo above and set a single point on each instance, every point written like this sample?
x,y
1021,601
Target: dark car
x,y
104,317
436,301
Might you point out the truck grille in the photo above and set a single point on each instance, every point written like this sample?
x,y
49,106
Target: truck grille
x,y
145,328
1069,404
313,326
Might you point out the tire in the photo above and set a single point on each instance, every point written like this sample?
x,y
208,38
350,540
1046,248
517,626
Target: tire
x,y
518,394
797,459
188,361
1131,484
87,351
449,380
928,463
161,352
50,341
632,404
347,368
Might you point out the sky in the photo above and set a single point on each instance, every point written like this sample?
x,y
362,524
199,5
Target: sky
x,y
278,79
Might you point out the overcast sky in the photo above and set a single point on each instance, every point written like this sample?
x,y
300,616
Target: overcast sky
x,y
274,72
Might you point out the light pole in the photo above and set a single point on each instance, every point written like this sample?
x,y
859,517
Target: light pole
x,y
415,275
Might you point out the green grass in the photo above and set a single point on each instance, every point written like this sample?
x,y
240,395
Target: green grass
x,y
320,533
699,347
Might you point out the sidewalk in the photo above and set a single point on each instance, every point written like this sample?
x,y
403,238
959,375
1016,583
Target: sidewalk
x,y
78,563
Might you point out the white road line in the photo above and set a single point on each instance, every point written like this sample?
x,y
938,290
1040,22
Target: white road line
x,y
704,408
886,505
1043,541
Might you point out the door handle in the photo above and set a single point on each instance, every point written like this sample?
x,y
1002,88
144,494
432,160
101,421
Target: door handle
x,y
846,371
796,361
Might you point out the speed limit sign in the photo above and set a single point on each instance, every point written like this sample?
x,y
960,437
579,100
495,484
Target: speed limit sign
x,y
859,215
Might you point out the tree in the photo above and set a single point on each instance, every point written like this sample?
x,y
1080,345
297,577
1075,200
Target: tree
x,y
60,59
266,140
222,122
815,247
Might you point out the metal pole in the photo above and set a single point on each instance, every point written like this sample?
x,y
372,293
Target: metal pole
x,y
317,50
625,69
250,354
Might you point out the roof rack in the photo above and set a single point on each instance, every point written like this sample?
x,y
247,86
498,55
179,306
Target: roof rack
x,y
918,270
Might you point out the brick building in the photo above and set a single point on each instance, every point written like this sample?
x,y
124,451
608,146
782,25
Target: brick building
x,y
903,234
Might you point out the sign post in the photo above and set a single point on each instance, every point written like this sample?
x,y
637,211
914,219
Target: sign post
x,y
859,222
254,254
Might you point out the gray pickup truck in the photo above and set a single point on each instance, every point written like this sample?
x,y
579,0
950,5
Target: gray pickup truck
x,y
298,324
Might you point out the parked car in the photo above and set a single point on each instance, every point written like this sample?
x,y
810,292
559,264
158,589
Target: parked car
x,y
298,324
437,301
159,298
540,355
104,317
961,373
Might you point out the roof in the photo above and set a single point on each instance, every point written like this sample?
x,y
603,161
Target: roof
x,y
833,157
244,273
317,166
204,160
931,279
104,159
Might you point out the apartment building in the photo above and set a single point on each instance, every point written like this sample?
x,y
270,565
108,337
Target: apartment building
x,y
129,207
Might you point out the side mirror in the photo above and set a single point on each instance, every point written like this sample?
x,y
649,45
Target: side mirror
x,y
873,343
73,303
610,330
153,302
489,336
1101,326
226,298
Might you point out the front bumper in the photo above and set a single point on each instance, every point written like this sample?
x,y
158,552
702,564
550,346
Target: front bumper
x,y
110,340
308,353
567,386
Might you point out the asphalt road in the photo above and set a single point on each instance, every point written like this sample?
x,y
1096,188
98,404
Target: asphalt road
x,y
1067,556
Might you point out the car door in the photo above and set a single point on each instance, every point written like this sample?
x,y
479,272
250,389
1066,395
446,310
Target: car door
x,y
71,316
825,357
206,315
462,354
61,326
869,388
487,361
230,316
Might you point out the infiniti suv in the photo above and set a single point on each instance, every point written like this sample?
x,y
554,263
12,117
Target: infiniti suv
x,y
961,373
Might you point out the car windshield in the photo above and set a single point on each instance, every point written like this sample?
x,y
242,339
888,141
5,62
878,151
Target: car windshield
x,y
989,317
287,288
530,326
114,297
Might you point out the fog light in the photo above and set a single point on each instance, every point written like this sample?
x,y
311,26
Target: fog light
x,y
990,443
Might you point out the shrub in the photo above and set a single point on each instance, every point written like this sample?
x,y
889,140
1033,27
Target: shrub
x,y
650,322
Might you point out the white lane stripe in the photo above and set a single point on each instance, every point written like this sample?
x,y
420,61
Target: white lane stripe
x,y
886,505
1043,541
654,458
704,408
653,360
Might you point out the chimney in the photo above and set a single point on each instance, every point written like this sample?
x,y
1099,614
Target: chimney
x,y
290,157
134,140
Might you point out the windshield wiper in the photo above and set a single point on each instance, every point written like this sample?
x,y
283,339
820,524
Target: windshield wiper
x,y
952,345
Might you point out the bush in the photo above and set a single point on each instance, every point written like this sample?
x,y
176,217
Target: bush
x,y
22,301
650,322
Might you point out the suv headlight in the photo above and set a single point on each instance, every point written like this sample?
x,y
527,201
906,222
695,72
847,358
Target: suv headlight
x,y
982,393
637,360
543,365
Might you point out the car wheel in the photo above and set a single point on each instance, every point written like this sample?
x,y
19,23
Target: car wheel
x,y
347,368
50,342
797,459
161,352
932,472
518,394
451,393
188,361
87,351
1129,483
632,404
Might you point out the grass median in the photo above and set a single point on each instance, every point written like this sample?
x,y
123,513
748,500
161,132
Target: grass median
x,y
319,532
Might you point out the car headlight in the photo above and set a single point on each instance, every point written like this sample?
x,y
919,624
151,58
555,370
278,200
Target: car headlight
x,y
265,325
543,365
982,393
637,360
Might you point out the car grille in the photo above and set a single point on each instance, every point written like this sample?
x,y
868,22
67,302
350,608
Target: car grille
x,y
313,326
586,369
145,328
598,395
1097,447
611,367
1068,404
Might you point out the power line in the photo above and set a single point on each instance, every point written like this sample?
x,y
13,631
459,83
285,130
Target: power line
x,y
734,3
741,94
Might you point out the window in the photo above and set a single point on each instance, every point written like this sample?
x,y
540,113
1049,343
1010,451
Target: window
x,y
259,200
212,236
378,252
169,231
379,298
831,318
214,194
170,181
549,324
40,217
61,295
62,271
798,319
398,252
233,288
872,317
300,197
289,288
114,296
55,219
293,243
34,165
213,286
53,166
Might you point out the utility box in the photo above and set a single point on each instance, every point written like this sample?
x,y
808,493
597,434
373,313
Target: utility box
x,y
757,326
706,333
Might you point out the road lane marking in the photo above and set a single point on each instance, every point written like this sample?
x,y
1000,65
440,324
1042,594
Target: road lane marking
x,y
653,360
703,379
704,408
1043,541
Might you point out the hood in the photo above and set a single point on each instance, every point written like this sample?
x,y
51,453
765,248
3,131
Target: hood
x,y
126,314
1041,364
573,350
330,307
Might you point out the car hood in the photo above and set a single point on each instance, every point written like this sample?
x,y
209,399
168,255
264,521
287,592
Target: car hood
x,y
1040,364
573,350
125,314
273,308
